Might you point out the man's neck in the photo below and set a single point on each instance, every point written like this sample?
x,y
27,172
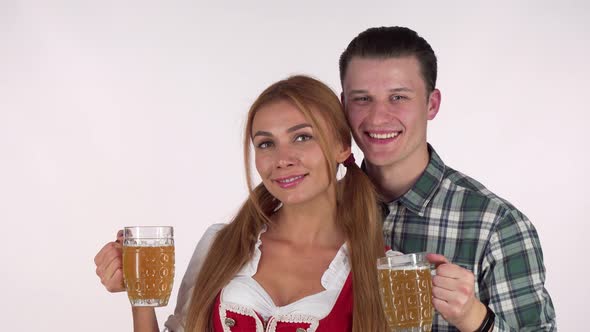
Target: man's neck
x,y
393,181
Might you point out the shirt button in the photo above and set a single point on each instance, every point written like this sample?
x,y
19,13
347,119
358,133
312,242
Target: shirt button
x,y
300,330
230,322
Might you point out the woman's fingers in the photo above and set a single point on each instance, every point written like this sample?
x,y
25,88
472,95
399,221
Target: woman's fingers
x,y
115,283
109,263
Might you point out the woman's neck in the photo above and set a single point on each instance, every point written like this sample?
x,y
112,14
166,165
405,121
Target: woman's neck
x,y
310,224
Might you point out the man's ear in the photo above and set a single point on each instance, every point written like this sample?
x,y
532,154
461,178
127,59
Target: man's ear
x,y
433,103
342,100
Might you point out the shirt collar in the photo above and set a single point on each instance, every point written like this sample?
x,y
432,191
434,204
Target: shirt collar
x,y
417,198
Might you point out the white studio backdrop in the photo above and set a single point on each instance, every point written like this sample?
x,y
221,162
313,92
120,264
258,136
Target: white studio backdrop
x,y
115,113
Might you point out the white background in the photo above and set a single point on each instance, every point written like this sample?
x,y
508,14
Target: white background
x,y
116,113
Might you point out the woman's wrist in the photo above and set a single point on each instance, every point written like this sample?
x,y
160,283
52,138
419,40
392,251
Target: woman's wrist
x,y
144,319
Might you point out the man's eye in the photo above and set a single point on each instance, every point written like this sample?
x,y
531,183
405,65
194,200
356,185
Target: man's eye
x,y
397,97
361,99
302,138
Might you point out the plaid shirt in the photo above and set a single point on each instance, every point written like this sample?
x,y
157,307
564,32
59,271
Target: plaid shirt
x,y
448,213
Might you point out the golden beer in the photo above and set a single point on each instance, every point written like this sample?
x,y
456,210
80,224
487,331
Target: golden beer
x,y
406,292
148,267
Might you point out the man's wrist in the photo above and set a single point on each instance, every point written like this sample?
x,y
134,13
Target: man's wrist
x,y
488,321
474,319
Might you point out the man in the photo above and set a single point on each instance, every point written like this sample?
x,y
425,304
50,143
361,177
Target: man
x,y
489,261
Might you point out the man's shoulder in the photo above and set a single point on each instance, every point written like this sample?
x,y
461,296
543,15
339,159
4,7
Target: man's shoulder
x,y
474,194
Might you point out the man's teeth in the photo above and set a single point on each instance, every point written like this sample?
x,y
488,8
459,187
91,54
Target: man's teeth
x,y
291,179
383,136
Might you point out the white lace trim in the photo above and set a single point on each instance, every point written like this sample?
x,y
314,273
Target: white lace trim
x,y
251,267
295,318
238,309
337,273
333,278
272,322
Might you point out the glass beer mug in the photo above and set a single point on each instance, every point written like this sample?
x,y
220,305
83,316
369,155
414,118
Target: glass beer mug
x,y
148,264
405,284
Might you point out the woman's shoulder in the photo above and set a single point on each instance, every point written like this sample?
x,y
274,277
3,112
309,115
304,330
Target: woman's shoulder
x,y
208,237
212,230
174,322
199,254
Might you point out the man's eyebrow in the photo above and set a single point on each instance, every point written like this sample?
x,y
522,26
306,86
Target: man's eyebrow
x,y
361,91
402,89
290,130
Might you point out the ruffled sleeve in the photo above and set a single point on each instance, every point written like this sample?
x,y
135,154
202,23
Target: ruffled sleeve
x,y
336,274
251,267
175,323
333,278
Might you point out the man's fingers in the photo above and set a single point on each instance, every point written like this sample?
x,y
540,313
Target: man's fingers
x,y
436,259
446,309
454,271
447,283
440,305
442,294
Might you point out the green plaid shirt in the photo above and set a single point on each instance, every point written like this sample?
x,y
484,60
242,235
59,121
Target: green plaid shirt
x,y
449,213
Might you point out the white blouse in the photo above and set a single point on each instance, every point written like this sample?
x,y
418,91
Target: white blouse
x,y
244,291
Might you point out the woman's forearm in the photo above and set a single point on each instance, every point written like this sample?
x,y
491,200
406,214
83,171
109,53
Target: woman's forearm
x,y
144,319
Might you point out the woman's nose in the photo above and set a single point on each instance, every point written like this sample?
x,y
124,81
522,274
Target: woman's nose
x,y
285,157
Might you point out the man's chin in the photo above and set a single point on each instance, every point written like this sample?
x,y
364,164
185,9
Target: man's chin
x,y
379,160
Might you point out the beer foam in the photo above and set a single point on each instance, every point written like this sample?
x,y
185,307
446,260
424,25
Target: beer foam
x,y
148,242
402,268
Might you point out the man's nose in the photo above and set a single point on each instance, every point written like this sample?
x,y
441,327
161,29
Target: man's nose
x,y
380,112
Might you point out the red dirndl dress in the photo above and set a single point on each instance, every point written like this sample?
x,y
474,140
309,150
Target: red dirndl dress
x,y
235,318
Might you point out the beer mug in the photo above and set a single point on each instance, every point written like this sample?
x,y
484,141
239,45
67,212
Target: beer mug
x,y
405,284
148,264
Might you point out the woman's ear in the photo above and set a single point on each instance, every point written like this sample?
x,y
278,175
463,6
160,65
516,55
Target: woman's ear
x,y
342,152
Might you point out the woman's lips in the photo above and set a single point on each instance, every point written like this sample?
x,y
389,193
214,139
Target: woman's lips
x,y
289,181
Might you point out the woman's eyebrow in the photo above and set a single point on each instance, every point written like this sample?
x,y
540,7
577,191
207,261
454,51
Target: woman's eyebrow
x,y
262,133
290,130
297,127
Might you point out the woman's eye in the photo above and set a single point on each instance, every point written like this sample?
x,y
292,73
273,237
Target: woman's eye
x,y
264,145
302,138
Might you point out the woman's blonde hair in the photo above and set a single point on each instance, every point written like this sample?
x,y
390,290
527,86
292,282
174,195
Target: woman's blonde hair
x,y
357,212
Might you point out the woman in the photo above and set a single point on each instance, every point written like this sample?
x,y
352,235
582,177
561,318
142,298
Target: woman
x,y
300,254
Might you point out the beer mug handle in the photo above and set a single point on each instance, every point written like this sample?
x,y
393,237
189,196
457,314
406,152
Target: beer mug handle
x,y
391,253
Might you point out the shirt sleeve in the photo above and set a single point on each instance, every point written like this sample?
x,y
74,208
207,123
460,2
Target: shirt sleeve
x,y
175,323
513,277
